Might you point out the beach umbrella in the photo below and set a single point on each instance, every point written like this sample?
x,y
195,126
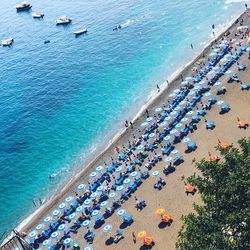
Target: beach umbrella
x,y
47,219
174,113
160,211
72,216
186,140
39,227
121,212
190,113
155,173
134,174
216,68
144,124
112,195
107,228
163,124
100,188
152,135
149,119
87,248
99,169
172,95
168,118
179,125
196,88
104,204
32,234
87,202
119,169
173,131
189,78
228,72
141,235
176,91
158,110
184,120
207,94
248,49
93,175
79,209
54,235
86,223
69,199
216,50
56,213
167,138
94,195
213,54
217,84
95,213
67,242
221,102
81,186
182,103
177,108
120,188
201,82
140,147
126,181
62,205
61,227
174,152
191,93
184,82
45,243
168,159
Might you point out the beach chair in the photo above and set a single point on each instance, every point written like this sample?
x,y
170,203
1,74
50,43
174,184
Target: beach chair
x,y
210,125
178,160
145,175
99,222
233,78
196,119
242,67
138,182
169,170
128,219
225,109
191,147
202,112
89,237
244,86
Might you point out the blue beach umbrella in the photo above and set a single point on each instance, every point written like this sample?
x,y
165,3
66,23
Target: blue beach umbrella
x,y
201,82
99,169
87,248
179,125
127,181
56,213
99,189
69,199
172,95
188,78
177,108
140,147
220,102
217,84
149,119
228,72
47,219
167,138
86,223
196,88
168,118
248,49
182,103
186,140
155,173
191,93
207,94
190,113
163,124
54,235
217,68
79,209
94,195
173,131
62,205
61,227
67,242
112,195
213,54
39,227
119,169
104,204
152,135
120,188
134,174
184,82
174,152
144,124
176,91
107,228
93,175
81,186
45,243
168,159
87,202
72,216
174,113
32,234
158,110
121,212
95,213
184,120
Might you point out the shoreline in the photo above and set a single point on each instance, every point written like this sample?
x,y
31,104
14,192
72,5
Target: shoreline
x,y
152,100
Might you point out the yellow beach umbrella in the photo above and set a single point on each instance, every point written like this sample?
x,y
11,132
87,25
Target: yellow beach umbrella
x,y
160,211
141,235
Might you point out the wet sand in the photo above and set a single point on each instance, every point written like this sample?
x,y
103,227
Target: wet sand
x,y
172,197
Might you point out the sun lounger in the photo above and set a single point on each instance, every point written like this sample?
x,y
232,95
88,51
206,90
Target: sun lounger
x,y
244,86
178,160
242,67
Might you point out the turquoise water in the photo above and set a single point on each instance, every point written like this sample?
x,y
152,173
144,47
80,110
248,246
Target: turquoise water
x,y
60,101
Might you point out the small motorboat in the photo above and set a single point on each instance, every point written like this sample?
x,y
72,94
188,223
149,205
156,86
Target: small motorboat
x,y
63,20
80,31
23,6
7,42
46,41
37,15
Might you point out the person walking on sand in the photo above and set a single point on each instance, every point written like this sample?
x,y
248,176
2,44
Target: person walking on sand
x,y
246,6
158,88
134,238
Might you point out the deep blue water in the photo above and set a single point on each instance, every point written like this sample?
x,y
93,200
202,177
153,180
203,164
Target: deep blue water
x,y
59,101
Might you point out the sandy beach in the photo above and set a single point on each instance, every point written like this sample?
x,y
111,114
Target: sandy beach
x,y
172,197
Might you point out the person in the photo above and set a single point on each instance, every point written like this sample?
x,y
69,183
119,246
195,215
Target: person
x,y
158,88
191,46
246,6
134,238
213,26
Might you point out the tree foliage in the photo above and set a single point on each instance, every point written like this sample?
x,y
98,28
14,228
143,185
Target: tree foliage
x,y
222,222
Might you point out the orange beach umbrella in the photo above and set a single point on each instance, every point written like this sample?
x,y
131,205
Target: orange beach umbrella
x,y
141,235
148,241
166,217
160,211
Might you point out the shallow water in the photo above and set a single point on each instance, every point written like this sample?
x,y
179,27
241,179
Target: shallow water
x,y
61,100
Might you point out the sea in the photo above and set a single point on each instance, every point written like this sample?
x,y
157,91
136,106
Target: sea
x,y
62,102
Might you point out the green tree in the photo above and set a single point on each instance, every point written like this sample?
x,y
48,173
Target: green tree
x,y
222,221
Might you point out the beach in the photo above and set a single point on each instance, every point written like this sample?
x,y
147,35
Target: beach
x,y
172,197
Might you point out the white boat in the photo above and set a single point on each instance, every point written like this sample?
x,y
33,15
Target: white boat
x,y
80,31
38,15
63,20
7,42
23,6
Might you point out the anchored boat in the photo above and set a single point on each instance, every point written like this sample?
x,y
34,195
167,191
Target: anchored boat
x,y
7,42
63,20
23,6
37,15
81,31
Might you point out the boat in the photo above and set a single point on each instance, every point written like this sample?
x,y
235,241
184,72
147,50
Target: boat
x,y
37,15
63,20
80,31
7,42
46,41
23,6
